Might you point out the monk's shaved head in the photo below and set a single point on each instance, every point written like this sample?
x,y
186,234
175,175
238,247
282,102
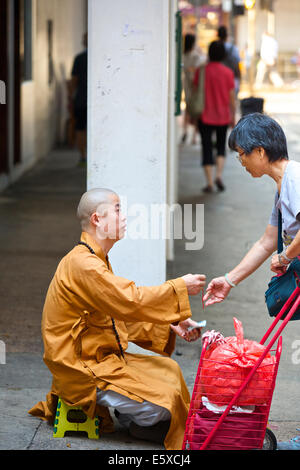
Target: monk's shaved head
x,y
89,203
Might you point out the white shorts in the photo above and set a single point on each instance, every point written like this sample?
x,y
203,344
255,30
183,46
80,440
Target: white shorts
x,y
142,414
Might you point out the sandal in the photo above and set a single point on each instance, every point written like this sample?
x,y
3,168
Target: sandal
x,y
208,189
220,185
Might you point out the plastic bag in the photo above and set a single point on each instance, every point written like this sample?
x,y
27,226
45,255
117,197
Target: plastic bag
x,y
226,367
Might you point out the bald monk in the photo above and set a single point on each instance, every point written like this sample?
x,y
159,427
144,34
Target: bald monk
x,y
89,317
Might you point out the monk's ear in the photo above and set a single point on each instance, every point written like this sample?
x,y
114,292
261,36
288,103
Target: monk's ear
x,y
95,219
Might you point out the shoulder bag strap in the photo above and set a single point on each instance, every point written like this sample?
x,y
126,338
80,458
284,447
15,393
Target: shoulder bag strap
x,y
280,242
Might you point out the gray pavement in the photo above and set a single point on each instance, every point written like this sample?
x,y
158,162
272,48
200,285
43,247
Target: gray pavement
x,y
38,226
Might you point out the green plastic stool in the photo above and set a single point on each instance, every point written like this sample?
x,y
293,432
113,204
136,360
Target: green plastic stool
x,y
73,418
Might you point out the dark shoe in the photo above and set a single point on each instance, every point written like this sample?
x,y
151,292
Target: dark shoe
x,y
208,189
155,433
219,184
183,138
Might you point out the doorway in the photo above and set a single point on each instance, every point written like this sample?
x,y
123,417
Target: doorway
x,y
4,87
10,81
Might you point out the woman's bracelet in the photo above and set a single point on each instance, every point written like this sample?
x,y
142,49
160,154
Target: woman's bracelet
x,y
229,281
280,260
284,255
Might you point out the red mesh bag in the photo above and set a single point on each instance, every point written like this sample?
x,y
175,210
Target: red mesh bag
x,y
226,367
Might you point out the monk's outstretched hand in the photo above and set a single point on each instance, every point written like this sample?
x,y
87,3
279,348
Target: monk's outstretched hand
x,y
183,330
194,283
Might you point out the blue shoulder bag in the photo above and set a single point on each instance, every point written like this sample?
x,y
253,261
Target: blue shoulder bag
x,y
280,288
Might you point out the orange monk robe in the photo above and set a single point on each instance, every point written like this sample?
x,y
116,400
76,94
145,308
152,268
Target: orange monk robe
x,y
81,349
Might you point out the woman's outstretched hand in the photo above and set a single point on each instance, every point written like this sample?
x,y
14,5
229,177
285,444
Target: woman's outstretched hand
x,y
217,290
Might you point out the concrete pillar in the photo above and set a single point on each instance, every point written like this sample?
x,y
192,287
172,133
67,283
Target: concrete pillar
x,y
172,168
128,121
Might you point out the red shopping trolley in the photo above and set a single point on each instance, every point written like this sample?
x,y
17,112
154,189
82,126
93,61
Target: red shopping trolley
x,y
241,422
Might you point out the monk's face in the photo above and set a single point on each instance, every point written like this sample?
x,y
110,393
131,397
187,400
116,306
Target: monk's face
x,y
112,223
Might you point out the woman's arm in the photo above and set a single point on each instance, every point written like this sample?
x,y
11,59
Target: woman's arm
x,y
218,289
293,249
256,256
280,263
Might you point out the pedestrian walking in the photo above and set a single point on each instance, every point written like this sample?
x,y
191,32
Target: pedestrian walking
x,y
218,113
262,150
79,92
268,62
232,57
192,59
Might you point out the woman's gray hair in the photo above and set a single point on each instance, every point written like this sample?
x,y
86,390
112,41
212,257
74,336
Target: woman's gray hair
x,y
259,130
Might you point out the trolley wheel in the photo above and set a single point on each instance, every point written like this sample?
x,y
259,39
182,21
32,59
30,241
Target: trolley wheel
x,y
270,441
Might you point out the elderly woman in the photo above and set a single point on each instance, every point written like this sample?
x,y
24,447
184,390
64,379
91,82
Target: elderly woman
x,y
262,150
